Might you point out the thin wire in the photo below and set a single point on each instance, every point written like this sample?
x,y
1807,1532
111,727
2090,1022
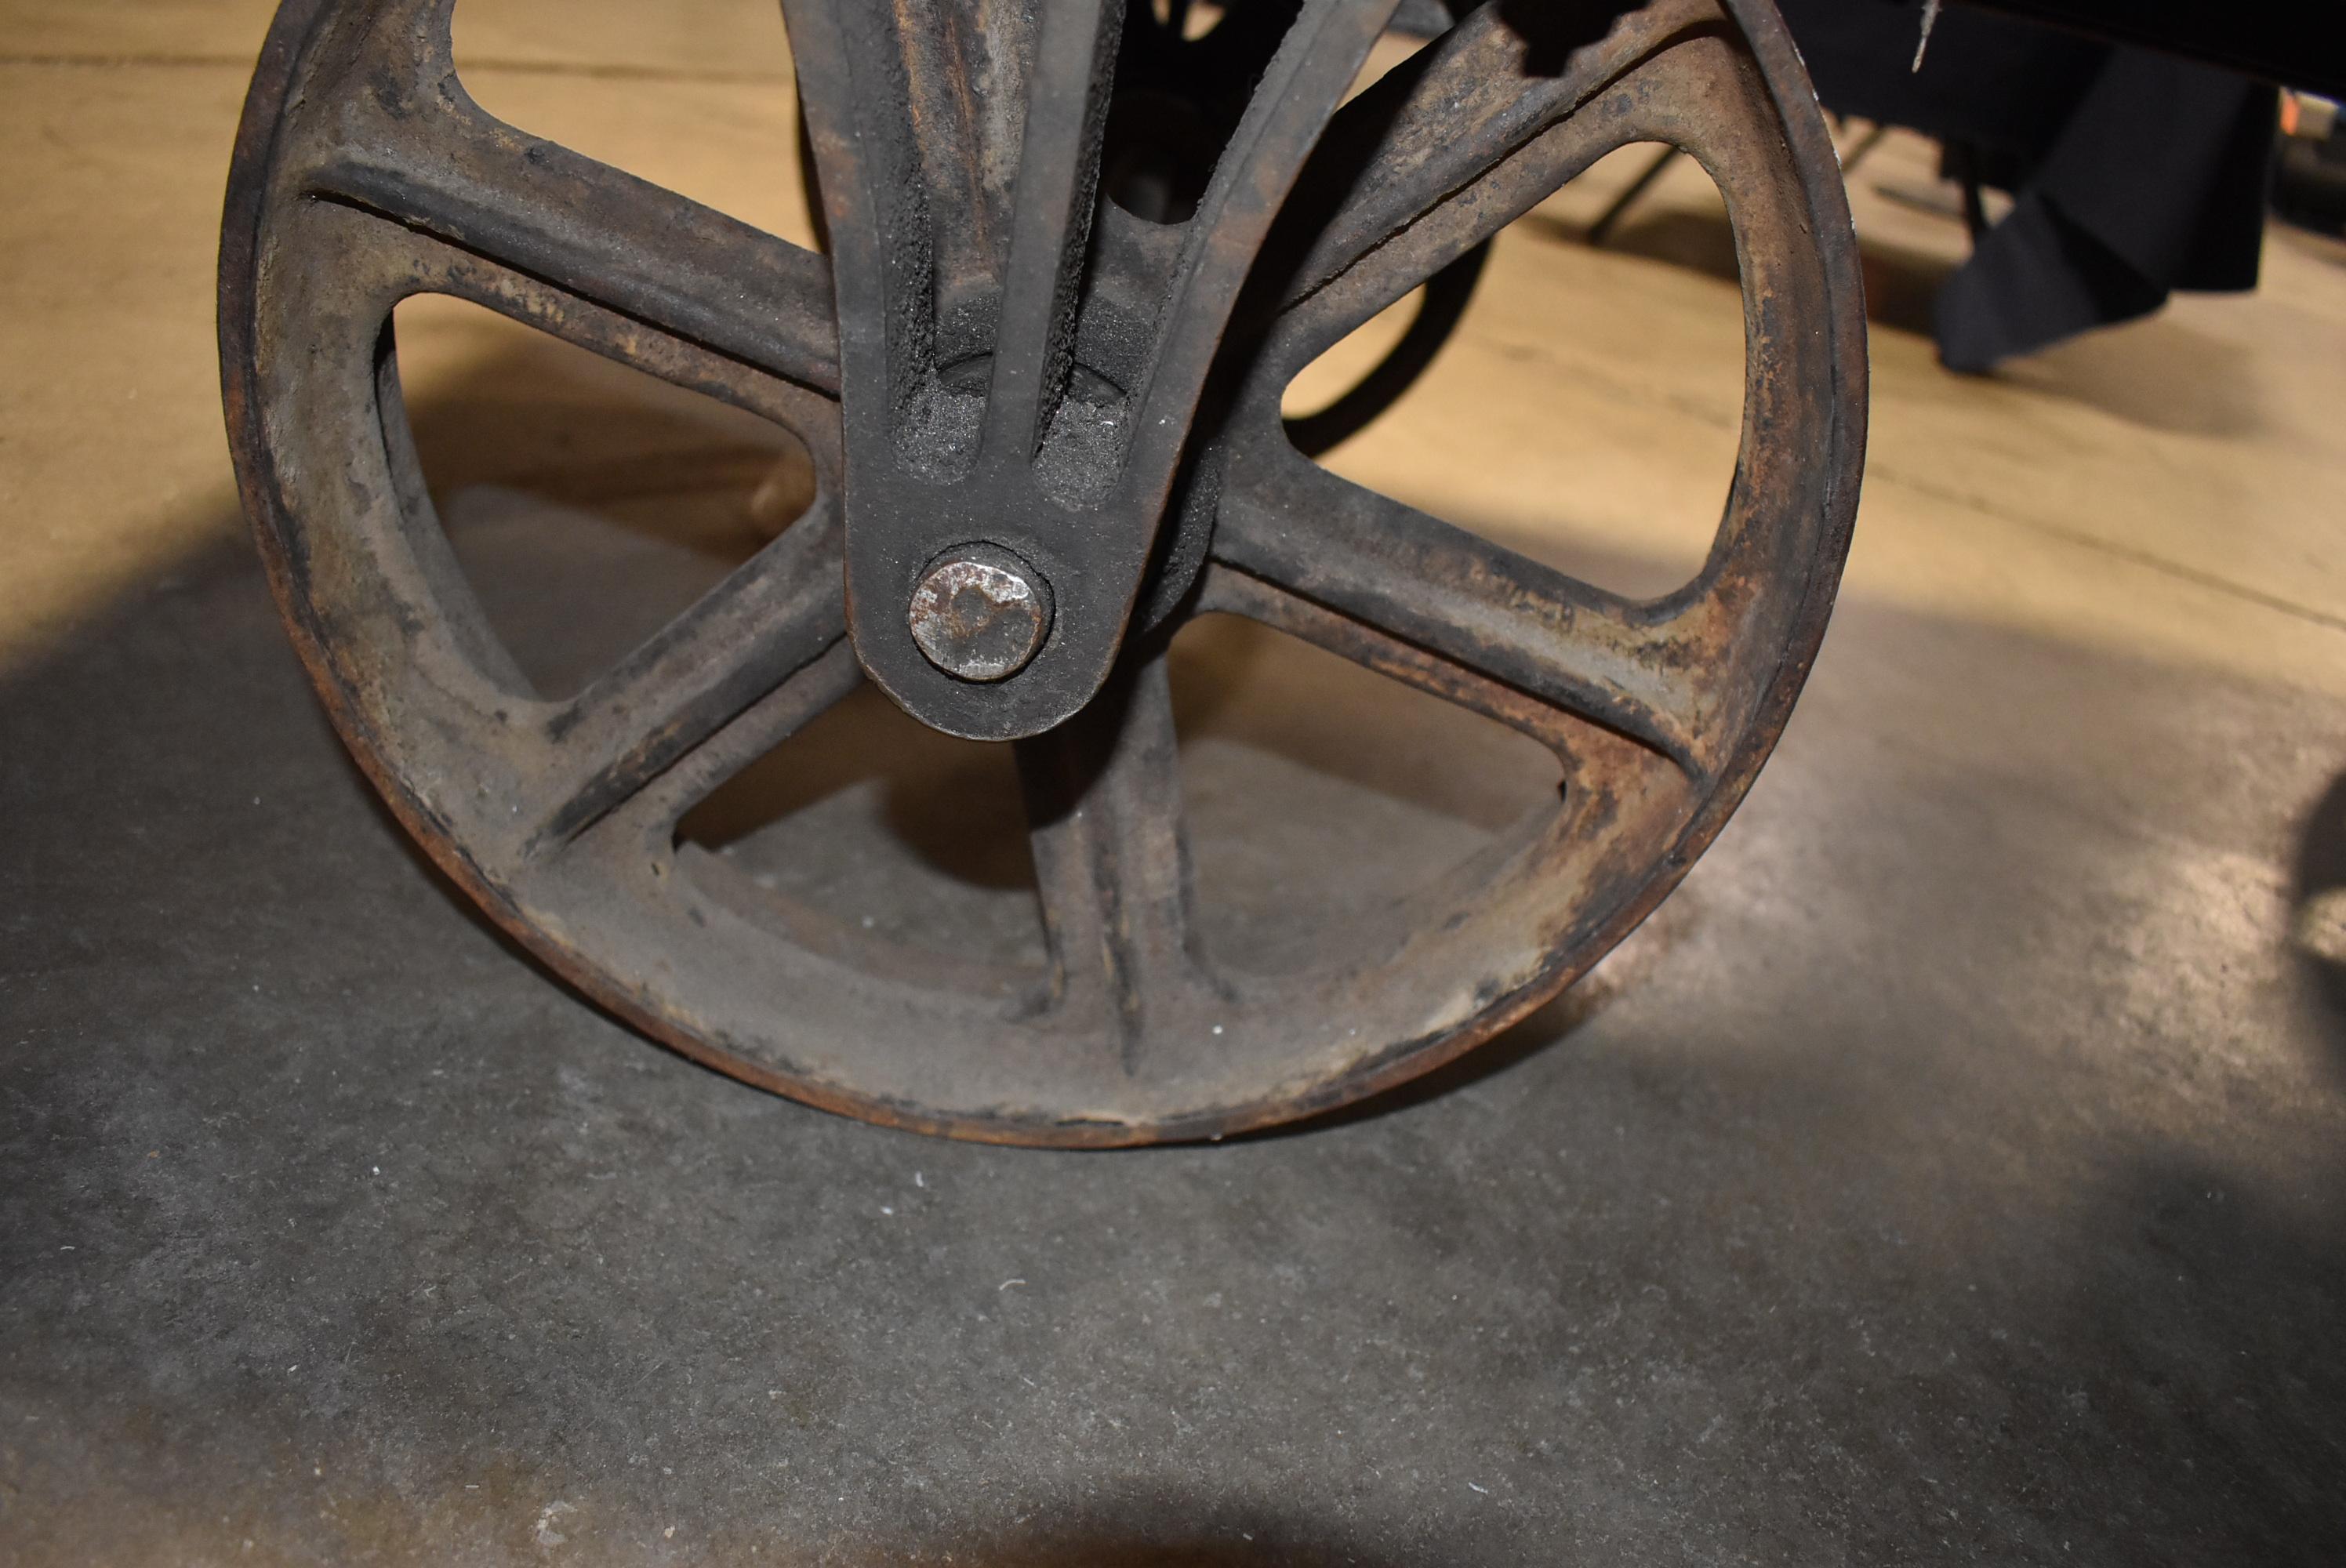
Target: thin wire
x,y
1930,20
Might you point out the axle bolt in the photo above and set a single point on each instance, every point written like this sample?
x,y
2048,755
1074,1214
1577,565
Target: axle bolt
x,y
980,613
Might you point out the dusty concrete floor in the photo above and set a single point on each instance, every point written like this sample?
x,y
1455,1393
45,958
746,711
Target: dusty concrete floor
x,y
1953,1171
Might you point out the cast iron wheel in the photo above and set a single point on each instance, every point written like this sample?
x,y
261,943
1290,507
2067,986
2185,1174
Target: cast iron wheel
x,y
1016,376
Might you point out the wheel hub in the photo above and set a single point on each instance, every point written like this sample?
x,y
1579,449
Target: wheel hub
x,y
980,613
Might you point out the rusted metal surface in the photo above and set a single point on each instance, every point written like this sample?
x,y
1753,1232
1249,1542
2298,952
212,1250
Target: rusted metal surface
x,y
980,613
1073,259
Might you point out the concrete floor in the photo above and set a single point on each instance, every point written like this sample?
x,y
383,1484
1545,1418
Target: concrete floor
x,y
1953,1171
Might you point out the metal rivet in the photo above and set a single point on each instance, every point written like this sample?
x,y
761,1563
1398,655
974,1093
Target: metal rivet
x,y
980,613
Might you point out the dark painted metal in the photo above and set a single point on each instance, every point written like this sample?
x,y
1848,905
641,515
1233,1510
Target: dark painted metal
x,y
980,613
2289,42
958,300
1041,340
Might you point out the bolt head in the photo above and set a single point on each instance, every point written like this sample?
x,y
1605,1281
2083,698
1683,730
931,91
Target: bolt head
x,y
979,613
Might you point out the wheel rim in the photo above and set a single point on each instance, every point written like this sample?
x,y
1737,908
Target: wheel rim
x,y
364,176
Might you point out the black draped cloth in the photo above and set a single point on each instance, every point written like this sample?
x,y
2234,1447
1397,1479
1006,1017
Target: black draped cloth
x,y
2133,174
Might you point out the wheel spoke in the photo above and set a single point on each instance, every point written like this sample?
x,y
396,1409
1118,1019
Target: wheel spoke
x,y
389,264
414,149
1104,807
1486,609
1461,138
777,614
1230,590
805,694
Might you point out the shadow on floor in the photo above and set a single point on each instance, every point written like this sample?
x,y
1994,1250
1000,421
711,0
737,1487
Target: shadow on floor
x,y
1899,283
2133,372
2318,909
1177,1532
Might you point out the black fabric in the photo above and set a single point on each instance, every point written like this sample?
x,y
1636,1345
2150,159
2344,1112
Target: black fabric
x,y
2133,173
2036,278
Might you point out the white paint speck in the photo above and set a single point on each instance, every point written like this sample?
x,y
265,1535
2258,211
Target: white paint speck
x,y
545,1534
